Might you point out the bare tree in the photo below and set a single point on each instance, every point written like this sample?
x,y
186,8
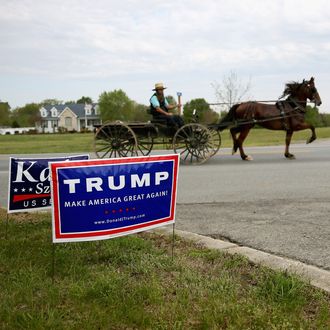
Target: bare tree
x,y
231,90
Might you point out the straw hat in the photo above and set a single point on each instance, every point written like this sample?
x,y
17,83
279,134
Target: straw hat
x,y
159,86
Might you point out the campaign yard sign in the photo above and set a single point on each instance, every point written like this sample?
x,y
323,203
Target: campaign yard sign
x,y
101,199
29,182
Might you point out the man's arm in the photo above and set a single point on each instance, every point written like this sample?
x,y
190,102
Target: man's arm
x,y
169,107
161,111
173,106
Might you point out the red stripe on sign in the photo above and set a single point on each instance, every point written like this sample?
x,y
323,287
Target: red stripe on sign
x,y
19,198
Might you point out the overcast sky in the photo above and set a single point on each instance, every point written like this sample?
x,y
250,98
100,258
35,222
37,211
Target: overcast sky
x,y
66,49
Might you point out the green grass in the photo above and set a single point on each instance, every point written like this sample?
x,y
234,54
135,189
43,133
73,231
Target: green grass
x,y
49,143
46,143
132,283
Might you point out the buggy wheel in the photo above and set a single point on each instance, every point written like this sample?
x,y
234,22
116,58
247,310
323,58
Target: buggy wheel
x,y
191,141
215,141
144,145
115,140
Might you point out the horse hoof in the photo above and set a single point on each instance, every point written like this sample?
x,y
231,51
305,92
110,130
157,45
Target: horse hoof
x,y
290,156
247,158
310,140
234,150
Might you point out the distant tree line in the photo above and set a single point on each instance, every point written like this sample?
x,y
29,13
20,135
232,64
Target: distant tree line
x,y
317,119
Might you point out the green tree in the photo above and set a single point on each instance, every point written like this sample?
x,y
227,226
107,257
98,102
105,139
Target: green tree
x,y
140,112
325,118
85,99
116,105
26,116
4,114
51,102
15,124
205,113
172,101
313,117
223,114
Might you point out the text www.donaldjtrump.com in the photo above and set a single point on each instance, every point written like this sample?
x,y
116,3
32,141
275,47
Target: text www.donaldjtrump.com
x,y
131,218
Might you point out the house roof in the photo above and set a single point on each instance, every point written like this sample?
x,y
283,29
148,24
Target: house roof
x,y
77,108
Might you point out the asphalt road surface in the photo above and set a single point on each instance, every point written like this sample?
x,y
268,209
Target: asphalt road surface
x,y
271,203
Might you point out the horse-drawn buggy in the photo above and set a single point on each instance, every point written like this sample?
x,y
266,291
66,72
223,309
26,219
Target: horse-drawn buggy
x,y
195,142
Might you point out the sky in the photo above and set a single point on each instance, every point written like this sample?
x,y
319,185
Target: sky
x,y
67,49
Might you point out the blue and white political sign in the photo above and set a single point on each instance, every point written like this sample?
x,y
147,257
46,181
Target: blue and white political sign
x,y
29,182
101,199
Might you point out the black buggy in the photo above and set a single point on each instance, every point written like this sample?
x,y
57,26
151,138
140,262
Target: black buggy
x,y
195,142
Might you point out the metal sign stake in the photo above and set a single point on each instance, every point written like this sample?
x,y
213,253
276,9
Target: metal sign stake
x,y
173,240
53,263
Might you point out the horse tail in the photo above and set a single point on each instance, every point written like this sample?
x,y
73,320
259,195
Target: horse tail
x,y
229,118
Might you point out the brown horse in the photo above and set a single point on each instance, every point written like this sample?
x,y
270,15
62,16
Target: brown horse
x,y
287,115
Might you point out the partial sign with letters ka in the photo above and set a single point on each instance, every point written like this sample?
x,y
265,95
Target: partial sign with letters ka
x,y
100,199
29,182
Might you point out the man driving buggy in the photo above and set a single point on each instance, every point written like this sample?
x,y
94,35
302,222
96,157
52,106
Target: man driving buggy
x,y
159,108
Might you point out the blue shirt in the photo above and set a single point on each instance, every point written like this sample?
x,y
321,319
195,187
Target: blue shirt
x,y
155,103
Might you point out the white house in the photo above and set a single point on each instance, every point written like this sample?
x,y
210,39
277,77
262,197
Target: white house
x,y
68,117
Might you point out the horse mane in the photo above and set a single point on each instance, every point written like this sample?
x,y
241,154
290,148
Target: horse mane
x,y
291,88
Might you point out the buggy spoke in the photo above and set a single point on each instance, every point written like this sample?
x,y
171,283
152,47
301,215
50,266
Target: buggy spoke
x,y
193,143
106,147
114,139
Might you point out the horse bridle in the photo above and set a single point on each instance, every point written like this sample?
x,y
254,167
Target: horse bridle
x,y
296,104
313,90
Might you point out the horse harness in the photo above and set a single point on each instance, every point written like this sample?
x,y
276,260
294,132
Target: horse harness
x,y
295,108
280,105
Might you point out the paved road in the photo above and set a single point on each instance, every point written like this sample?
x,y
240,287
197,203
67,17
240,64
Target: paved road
x,y
271,203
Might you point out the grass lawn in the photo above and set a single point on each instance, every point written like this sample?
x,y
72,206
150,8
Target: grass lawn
x,y
49,143
46,143
132,283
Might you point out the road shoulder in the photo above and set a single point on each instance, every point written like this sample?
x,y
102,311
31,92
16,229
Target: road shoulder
x,y
317,277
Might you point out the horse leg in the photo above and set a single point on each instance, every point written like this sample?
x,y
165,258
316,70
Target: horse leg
x,y
233,133
244,133
313,137
302,126
287,144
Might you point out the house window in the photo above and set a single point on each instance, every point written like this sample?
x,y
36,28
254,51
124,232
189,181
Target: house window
x,y
88,109
54,113
68,121
43,113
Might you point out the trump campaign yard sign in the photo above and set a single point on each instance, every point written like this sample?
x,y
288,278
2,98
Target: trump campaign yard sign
x,y
100,199
29,182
